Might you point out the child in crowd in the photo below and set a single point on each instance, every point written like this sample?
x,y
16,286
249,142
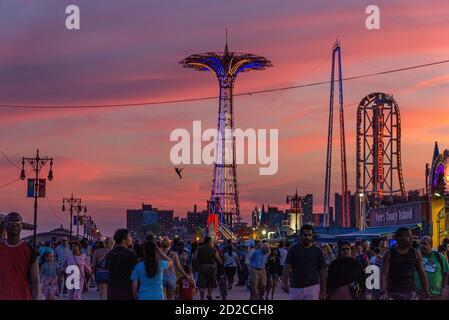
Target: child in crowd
x,y
186,286
49,276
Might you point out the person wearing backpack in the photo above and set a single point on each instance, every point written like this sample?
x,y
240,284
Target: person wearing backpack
x,y
436,268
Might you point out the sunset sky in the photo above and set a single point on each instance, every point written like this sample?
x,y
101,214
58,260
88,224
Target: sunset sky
x,y
128,52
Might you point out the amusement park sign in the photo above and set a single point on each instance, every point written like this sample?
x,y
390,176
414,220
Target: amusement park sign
x,y
396,215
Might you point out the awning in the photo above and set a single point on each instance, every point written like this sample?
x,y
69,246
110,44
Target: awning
x,y
375,232
328,234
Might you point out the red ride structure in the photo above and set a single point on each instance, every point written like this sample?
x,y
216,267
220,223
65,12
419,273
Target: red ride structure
x,y
379,168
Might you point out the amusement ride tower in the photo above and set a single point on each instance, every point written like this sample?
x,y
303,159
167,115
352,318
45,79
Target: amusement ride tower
x,y
379,165
226,66
345,218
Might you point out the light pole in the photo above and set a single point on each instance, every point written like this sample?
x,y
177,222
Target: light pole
x,y
87,226
361,211
73,203
78,210
36,163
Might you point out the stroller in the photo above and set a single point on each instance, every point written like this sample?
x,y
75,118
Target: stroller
x,y
222,282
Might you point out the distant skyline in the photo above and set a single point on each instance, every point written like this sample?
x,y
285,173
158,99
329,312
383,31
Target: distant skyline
x,y
128,52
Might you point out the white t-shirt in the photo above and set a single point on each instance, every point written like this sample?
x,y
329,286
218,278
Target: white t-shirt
x,y
229,260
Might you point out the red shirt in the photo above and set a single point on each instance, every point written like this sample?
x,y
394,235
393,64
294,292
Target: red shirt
x,y
15,264
186,288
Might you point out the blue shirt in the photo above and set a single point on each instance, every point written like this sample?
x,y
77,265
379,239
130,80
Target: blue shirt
x,y
150,288
62,252
257,259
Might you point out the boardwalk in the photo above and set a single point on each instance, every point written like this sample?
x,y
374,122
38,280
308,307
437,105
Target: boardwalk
x,y
237,293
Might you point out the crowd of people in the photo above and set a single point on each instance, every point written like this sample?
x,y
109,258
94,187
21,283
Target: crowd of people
x,y
121,268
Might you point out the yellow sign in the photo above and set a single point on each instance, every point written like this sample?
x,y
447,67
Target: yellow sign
x,y
438,222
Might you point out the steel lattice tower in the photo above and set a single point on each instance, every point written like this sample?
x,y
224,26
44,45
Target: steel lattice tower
x,y
379,169
336,52
226,66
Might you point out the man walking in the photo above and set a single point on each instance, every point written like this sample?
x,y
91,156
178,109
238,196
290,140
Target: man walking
x,y
62,252
207,258
308,267
400,263
19,264
436,268
120,263
258,275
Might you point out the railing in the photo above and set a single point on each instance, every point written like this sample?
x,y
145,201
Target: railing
x,y
226,231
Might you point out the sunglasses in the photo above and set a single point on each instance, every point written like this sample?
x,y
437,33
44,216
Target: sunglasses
x,y
345,249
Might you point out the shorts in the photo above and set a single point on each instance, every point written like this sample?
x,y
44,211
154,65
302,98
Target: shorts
x,y
49,286
101,276
307,293
207,274
273,276
170,281
230,271
272,279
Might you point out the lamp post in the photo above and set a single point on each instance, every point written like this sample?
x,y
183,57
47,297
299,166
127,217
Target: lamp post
x,y
36,163
73,203
87,225
361,211
78,210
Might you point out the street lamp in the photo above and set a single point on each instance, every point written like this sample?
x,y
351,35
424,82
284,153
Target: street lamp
x,y
36,163
361,211
74,204
79,208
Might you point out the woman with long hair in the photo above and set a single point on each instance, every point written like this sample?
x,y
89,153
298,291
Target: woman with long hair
x,y
170,273
148,275
273,268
